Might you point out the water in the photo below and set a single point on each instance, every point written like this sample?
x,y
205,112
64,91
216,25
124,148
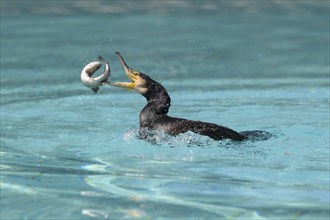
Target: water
x,y
67,153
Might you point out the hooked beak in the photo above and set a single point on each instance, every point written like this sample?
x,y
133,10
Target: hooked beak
x,y
131,74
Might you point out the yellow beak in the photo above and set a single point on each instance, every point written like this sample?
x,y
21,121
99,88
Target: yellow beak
x,y
130,74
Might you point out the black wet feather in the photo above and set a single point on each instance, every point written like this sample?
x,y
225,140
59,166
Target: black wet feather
x,y
154,116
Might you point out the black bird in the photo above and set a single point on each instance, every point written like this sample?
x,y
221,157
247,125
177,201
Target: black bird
x,y
154,114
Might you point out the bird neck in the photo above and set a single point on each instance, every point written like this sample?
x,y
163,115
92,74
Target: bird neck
x,y
158,105
158,99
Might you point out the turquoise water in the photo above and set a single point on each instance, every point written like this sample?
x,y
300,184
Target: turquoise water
x,y
67,153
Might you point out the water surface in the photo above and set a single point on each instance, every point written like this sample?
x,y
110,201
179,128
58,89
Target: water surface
x,y
67,153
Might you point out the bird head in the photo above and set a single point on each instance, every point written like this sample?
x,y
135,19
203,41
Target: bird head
x,y
138,80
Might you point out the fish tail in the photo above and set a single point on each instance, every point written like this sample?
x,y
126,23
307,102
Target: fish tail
x,y
95,89
101,58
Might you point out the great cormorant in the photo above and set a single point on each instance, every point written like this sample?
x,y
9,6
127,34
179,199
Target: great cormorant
x,y
154,114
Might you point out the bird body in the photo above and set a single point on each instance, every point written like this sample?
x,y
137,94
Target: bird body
x,y
154,115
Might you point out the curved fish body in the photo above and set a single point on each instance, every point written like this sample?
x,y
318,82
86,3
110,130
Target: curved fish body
x,y
88,71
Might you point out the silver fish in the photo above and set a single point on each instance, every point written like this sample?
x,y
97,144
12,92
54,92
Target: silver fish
x,y
87,72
